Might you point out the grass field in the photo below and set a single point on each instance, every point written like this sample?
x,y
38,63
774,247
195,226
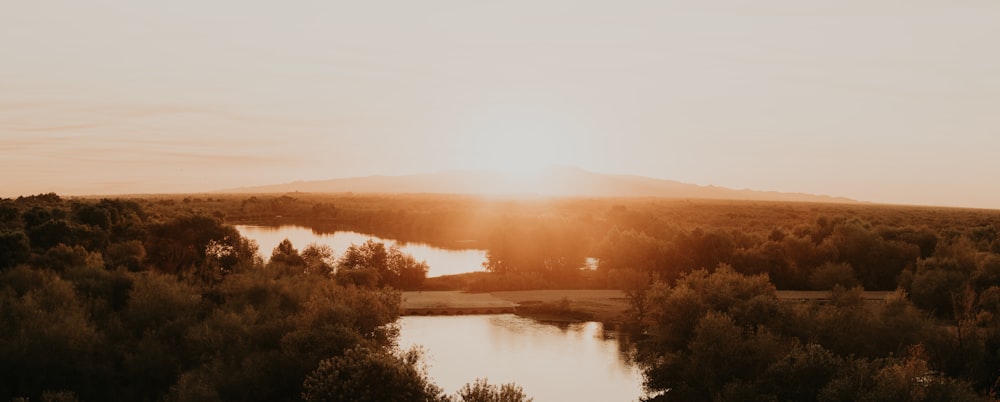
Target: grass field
x,y
599,305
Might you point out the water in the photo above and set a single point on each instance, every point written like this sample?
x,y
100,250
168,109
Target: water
x,y
440,261
573,362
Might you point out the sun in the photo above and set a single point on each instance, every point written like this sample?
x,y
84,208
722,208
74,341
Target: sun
x,y
517,151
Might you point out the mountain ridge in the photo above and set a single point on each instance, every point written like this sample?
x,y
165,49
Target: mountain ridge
x,y
554,181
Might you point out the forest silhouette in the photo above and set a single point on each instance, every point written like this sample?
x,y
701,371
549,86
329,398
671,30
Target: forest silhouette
x,y
160,298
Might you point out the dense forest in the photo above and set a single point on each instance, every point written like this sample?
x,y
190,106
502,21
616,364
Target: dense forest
x,y
158,298
103,300
542,242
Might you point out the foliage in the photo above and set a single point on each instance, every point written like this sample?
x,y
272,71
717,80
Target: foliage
x,y
285,253
365,375
550,251
482,391
723,336
116,304
160,299
636,285
831,274
372,264
319,259
197,245
14,249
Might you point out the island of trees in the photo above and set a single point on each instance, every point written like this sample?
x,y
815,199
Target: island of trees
x,y
159,298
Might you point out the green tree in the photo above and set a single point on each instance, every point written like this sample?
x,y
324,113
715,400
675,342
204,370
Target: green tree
x,y
370,254
14,248
629,250
48,341
404,271
372,261
319,259
800,374
129,254
286,256
94,215
53,232
936,283
831,274
555,251
636,286
193,243
710,331
876,261
904,379
367,375
482,391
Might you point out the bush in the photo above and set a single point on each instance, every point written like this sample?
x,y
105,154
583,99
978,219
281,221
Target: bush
x,y
482,391
366,375
832,274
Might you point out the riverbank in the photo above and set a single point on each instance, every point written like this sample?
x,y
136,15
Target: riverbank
x,y
608,306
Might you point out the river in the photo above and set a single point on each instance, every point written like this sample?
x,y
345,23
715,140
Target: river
x,y
440,261
566,362
569,362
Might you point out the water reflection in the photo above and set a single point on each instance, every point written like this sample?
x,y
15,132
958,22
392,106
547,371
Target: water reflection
x,y
569,362
441,261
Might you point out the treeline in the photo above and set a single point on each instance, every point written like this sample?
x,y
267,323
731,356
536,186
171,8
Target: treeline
x,y
725,336
445,221
702,278
107,300
541,243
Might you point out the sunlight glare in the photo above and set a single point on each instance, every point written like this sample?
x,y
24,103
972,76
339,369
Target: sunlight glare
x,y
521,143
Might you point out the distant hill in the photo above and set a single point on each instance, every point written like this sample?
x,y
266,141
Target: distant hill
x,y
555,181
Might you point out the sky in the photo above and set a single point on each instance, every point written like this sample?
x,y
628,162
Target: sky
x,y
893,101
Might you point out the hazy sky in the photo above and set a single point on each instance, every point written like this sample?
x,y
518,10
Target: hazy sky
x,y
877,100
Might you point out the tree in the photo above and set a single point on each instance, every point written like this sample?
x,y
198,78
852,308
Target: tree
x,y
195,243
319,259
367,375
129,254
709,331
370,254
48,341
53,232
62,257
14,248
800,374
706,249
482,391
404,271
555,251
907,378
10,215
876,261
936,282
286,254
629,250
388,267
94,215
831,274
635,284
721,353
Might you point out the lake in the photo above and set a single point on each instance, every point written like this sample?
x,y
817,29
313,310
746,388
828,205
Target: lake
x,y
440,261
570,362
